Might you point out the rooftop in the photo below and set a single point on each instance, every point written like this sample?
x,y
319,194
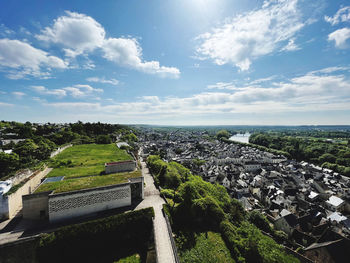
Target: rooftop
x,y
69,185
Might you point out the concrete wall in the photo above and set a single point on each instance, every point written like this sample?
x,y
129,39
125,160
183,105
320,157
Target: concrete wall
x,y
79,203
12,203
36,206
120,167
60,149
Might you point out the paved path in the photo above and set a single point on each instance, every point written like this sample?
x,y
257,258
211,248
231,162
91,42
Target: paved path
x,y
152,198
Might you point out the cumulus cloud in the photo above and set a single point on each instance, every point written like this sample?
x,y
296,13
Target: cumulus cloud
x,y
114,82
81,34
78,33
342,15
81,90
44,91
253,34
340,37
128,53
25,60
314,91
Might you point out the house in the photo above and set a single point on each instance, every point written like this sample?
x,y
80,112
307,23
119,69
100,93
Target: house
x,y
286,223
335,203
251,166
335,251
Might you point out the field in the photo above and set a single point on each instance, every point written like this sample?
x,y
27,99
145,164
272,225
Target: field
x,y
209,249
74,184
86,160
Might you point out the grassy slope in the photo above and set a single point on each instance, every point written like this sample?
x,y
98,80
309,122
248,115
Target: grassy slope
x,y
210,250
87,182
88,159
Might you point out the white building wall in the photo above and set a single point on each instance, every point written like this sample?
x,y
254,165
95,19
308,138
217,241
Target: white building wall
x,y
79,203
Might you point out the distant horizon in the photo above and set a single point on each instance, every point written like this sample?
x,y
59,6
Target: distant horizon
x,y
195,125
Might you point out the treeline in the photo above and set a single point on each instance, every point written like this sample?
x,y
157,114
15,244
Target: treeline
x,y
41,140
201,206
335,156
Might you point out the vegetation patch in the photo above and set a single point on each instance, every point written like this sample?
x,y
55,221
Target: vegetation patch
x,y
103,240
86,160
131,259
202,207
68,185
209,247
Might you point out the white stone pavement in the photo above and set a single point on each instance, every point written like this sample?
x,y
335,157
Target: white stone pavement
x,y
164,249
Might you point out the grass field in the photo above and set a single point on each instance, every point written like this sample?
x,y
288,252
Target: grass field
x,y
87,159
209,250
73,184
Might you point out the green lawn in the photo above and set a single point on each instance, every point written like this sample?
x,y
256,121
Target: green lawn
x,y
209,250
73,184
87,159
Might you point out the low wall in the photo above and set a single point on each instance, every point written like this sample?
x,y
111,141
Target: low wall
x,y
119,167
79,203
12,203
60,149
35,206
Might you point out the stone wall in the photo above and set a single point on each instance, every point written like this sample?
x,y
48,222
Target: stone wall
x,y
118,167
35,206
80,203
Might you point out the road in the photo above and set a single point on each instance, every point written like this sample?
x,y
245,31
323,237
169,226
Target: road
x,y
152,198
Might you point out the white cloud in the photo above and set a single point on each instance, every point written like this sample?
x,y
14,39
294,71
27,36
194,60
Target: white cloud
x,y
114,82
81,34
291,46
340,37
314,91
25,60
261,80
128,53
78,33
81,90
44,91
342,15
251,35
222,86
18,94
5,105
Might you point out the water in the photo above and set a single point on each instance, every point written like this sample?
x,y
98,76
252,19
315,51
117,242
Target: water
x,y
241,137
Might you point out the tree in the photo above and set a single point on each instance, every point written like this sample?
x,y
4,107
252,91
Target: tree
x,y
8,163
103,139
222,134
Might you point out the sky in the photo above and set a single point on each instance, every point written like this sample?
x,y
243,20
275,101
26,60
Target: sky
x,y
176,62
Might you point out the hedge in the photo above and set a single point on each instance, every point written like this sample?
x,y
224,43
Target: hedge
x,y
101,240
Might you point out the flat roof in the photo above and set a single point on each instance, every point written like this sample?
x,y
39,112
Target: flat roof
x,y
87,182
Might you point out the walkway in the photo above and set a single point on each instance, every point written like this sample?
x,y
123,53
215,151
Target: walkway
x,y
164,249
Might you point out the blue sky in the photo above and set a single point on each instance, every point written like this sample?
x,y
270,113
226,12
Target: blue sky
x,y
198,62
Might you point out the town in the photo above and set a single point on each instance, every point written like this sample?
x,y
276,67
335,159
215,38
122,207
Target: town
x,y
309,203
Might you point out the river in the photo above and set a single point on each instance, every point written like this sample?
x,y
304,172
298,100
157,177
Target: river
x,y
241,137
